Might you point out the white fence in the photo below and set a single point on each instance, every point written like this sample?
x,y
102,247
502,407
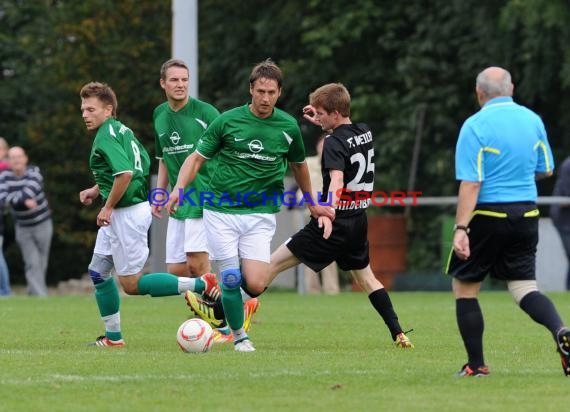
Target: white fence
x,y
551,260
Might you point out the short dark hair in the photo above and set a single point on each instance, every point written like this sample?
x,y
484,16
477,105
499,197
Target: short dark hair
x,y
172,63
266,69
103,92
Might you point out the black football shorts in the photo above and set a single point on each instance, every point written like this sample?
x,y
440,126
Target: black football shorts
x,y
347,245
502,239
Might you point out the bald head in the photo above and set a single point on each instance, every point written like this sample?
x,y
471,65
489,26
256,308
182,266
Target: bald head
x,y
493,82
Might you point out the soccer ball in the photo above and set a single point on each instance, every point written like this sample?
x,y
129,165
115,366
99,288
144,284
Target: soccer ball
x,y
195,336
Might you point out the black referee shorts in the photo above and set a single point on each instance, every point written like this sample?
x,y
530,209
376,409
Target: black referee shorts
x,y
347,245
502,239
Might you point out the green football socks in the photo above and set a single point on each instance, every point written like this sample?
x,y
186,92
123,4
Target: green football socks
x,y
158,284
109,302
233,307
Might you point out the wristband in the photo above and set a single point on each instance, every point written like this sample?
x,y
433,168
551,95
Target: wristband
x,y
457,227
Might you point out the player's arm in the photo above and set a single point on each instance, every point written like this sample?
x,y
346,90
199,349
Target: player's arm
x,y
87,196
335,187
466,202
120,185
303,179
161,183
538,176
186,175
310,113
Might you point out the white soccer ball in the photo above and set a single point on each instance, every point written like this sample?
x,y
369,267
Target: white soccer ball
x,y
195,336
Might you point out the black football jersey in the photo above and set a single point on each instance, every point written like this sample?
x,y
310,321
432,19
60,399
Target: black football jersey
x,y
350,149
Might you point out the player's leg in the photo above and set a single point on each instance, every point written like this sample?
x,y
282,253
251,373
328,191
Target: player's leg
x,y
329,279
179,253
541,309
106,290
470,323
108,300
176,260
128,237
255,234
307,246
311,280
198,240
196,247
487,240
281,259
381,301
518,266
223,244
198,263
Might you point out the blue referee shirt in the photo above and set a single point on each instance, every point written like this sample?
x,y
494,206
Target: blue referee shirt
x,y
502,146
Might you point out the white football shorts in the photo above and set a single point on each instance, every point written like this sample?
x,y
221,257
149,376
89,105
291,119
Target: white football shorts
x,y
184,236
245,235
126,238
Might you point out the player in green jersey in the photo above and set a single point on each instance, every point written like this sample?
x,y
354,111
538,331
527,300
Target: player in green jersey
x,y
178,124
253,144
120,166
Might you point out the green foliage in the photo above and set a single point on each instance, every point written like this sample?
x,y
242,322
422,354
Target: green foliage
x,y
58,47
397,59
314,353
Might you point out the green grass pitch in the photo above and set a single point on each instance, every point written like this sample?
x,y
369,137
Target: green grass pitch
x,y
314,353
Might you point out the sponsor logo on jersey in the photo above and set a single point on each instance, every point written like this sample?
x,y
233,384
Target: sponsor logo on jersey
x,y
255,147
174,138
176,148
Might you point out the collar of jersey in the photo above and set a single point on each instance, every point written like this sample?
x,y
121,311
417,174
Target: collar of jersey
x,y
501,100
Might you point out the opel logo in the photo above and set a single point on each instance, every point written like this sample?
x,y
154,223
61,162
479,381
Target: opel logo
x,y
255,146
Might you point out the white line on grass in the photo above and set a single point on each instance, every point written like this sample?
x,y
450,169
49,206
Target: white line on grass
x,y
185,377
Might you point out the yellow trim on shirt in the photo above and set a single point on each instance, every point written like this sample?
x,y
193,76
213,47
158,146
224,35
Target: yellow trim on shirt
x,y
480,159
540,144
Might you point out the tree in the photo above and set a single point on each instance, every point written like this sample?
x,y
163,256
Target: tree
x,y
58,47
396,58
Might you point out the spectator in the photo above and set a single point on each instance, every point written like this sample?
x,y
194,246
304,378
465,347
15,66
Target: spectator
x,y
4,165
560,214
4,272
22,189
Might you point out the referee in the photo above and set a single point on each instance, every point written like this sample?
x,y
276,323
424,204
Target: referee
x,y
502,149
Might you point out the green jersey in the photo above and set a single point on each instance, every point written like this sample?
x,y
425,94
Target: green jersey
x,y
176,136
116,150
252,159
